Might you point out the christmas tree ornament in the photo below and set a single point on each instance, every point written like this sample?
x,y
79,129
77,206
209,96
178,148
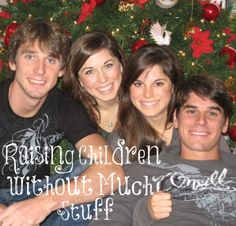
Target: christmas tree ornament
x,y
100,2
11,28
232,132
211,11
231,55
5,14
27,1
230,34
201,42
125,6
139,43
86,11
166,4
160,35
144,28
1,64
12,2
230,84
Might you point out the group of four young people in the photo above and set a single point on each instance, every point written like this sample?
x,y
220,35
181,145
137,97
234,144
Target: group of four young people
x,y
134,99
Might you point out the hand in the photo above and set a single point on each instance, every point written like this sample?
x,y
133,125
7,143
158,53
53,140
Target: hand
x,y
29,212
160,205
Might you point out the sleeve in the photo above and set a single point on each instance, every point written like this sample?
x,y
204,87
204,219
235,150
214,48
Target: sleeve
x,y
140,215
121,210
125,199
75,122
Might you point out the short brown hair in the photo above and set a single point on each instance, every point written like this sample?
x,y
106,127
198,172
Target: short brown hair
x,y
49,36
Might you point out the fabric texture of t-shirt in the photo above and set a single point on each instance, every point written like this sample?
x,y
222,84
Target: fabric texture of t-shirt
x,y
27,144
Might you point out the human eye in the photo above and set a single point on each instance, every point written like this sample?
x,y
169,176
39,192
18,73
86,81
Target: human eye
x,y
137,83
88,72
51,60
213,114
29,56
191,111
158,83
109,65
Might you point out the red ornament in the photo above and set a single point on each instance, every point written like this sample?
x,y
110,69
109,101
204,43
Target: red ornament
x,y
232,133
1,65
231,53
5,15
210,11
139,43
6,40
26,1
100,2
11,28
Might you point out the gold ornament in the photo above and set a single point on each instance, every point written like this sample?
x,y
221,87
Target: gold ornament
x,y
126,5
230,84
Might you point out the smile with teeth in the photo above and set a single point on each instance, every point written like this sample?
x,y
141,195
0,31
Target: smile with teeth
x,y
105,88
37,82
149,103
198,133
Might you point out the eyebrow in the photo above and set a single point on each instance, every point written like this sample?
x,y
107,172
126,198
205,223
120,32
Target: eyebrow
x,y
86,68
195,107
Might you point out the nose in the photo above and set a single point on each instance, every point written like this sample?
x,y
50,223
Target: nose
x,y
148,92
102,77
40,67
201,119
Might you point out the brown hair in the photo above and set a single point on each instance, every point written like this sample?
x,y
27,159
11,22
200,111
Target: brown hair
x,y
205,86
49,36
132,125
85,46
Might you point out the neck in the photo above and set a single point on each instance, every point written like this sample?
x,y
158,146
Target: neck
x,y
107,105
108,113
197,155
159,124
21,104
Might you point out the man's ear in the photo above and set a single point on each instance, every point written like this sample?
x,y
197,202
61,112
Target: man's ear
x,y
175,120
12,65
61,73
226,125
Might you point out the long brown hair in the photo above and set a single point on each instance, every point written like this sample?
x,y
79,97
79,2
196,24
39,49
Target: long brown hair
x,y
132,126
85,46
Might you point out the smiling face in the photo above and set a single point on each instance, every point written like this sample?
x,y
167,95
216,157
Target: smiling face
x,y
151,93
101,76
200,123
36,72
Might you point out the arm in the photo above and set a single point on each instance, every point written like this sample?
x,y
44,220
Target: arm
x,y
31,210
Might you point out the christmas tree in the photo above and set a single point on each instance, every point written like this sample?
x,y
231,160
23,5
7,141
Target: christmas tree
x,y
202,32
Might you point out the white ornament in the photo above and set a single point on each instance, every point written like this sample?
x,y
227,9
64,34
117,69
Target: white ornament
x,y
166,4
160,35
220,2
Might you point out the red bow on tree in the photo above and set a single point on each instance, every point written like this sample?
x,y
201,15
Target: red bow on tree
x,y
26,1
5,15
140,3
232,36
86,10
201,44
